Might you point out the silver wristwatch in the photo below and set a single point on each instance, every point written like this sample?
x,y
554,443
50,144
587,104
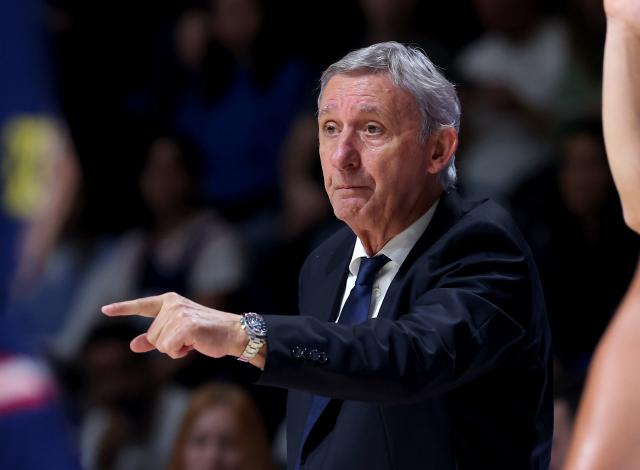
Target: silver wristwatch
x,y
256,329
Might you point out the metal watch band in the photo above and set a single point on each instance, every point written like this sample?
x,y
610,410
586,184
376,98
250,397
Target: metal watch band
x,y
255,342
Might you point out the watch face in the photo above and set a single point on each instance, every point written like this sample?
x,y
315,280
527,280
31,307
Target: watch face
x,y
256,324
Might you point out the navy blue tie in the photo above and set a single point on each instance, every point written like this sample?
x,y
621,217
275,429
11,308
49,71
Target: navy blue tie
x,y
354,311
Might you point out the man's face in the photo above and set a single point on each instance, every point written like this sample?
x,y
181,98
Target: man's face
x,y
375,168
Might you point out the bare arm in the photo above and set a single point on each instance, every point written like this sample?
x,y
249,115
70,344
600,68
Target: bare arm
x,y
621,103
607,431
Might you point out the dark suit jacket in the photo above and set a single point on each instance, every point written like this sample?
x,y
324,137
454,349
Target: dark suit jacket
x,y
454,373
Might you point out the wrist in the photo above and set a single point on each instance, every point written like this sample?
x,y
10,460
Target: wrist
x,y
620,28
239,337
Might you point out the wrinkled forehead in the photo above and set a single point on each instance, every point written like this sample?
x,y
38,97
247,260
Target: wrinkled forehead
x,y
354,75
367,93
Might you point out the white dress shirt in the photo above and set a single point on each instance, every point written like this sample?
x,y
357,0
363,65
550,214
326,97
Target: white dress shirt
x,y
397,249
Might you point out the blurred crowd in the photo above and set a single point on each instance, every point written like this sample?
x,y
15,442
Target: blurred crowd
x,y
172,146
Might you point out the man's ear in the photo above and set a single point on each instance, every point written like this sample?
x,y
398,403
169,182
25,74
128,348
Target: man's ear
x,y
441,146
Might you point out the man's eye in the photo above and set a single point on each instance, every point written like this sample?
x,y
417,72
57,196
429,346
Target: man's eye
x,y
330,129
373,129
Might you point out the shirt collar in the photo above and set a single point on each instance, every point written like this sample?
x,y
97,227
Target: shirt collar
x,y
397,249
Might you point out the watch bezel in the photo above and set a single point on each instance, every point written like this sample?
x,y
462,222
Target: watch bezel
x,y
255,325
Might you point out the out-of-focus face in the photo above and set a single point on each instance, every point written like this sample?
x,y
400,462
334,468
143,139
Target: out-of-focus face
x,y
591,12
165,182
215,442
507,16
191,38
374,166
236,23
585,179
387,11
113,376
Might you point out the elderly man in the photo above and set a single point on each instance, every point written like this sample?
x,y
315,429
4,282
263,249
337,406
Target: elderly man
x,y
422,340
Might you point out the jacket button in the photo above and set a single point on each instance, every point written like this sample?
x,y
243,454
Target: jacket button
x,y
314,355
323,358
297,352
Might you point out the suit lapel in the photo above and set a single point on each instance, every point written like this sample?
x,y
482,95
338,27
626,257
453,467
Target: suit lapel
x,y
447,213
334,276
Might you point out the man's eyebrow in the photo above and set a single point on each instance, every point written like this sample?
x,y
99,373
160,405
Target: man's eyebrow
x,y
365,108
325,109
369,109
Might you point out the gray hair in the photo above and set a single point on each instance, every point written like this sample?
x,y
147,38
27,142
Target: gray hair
x,y
411,70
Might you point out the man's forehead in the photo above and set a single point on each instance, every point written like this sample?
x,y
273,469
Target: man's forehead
x,y
363,93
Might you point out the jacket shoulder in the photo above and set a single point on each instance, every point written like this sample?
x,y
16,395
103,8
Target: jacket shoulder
x,y
486,217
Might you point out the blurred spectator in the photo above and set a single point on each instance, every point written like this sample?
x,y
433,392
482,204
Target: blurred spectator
x,y
511,75
581,89
38,170
304,201
585,253
37,179
239,107
57,176
239,111
221,430
34,431
129,418
562,430
389,20
180,248
567,388
397,20
42,181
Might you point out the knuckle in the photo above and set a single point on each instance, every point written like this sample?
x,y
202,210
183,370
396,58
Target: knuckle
x,y
152,338
152,331
167,348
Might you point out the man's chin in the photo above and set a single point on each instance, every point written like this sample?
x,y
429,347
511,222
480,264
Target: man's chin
x,y
351,214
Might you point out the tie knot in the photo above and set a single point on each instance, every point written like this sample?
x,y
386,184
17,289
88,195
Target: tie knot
x,y
369,267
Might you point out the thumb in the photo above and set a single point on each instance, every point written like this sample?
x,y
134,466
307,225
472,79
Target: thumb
x,y
141,344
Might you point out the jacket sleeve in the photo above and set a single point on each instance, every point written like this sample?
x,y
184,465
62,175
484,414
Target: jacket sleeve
x,y
466,317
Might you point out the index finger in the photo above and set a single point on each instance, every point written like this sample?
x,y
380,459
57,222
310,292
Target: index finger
x,y
146,307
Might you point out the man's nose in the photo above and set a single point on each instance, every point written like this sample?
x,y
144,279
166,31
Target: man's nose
x,y
346,153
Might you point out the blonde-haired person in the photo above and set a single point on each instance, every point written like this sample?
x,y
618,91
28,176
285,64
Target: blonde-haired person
x,y
221,430
607,432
